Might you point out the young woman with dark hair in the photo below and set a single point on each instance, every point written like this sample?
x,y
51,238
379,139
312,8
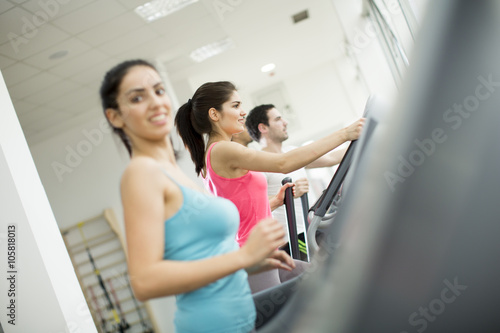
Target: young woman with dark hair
x,y
180,241
231,170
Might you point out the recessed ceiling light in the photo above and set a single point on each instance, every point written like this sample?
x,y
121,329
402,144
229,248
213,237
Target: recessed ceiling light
x,y
58,54
267,68
156,9
212,49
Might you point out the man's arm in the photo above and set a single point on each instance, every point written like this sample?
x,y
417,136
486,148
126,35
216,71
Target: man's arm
x,y
332,158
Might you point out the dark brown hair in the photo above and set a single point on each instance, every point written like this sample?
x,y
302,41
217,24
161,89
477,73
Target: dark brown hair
x,y
258,115
192,118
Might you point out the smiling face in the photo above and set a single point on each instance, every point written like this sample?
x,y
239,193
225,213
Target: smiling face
x,y
144,109
231,119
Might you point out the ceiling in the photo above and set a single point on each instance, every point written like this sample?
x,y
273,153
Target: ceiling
x,y
53,95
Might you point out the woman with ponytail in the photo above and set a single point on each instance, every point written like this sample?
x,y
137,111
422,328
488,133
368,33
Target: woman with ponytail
x,y
233,171
180,241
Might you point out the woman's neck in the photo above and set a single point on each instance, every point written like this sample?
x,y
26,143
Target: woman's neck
x,y
216,137
162,151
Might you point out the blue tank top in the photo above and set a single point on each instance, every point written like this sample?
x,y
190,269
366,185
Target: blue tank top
x,y
205,226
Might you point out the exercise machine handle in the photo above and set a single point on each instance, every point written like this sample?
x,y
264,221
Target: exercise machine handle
x,y
292,223
305,209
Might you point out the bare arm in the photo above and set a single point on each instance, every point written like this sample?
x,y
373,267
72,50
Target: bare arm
x,y
332,158
226,157
146,201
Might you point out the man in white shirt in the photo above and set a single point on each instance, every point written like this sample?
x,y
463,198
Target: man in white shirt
x,y
266,126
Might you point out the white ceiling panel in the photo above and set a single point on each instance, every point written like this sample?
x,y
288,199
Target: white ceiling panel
x,y
18,2
53,92
132,4
29,133
33,116
66,101
73,46
89,16
129,41
153,48
45,118
23,107
95,73
244,9
113,29
5,62
5,6
91,102
15,22
60,126
18,73
33,85
176,22
55,9
24,47
193,38
80,63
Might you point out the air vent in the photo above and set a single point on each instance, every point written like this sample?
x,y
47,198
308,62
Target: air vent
x,y
300,16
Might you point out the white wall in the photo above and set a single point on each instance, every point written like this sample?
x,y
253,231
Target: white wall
x,y
362,55
39,290
80,170
320,103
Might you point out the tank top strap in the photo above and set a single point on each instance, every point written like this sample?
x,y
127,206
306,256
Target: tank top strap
x,y
170,177
209,161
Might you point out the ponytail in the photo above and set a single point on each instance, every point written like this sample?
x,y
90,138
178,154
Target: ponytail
x,y
191,138
192,119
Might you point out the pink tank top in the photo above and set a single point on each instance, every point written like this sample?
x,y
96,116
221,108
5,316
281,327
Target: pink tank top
x,y
248,193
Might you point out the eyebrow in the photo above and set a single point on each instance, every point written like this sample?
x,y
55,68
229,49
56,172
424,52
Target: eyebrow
x,y
142,89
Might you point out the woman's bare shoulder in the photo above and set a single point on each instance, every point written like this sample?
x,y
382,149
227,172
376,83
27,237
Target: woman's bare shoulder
x,y
141,167
228,146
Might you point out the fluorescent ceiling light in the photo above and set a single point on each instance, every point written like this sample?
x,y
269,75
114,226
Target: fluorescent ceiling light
x,y
156,9
268,68
212,49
